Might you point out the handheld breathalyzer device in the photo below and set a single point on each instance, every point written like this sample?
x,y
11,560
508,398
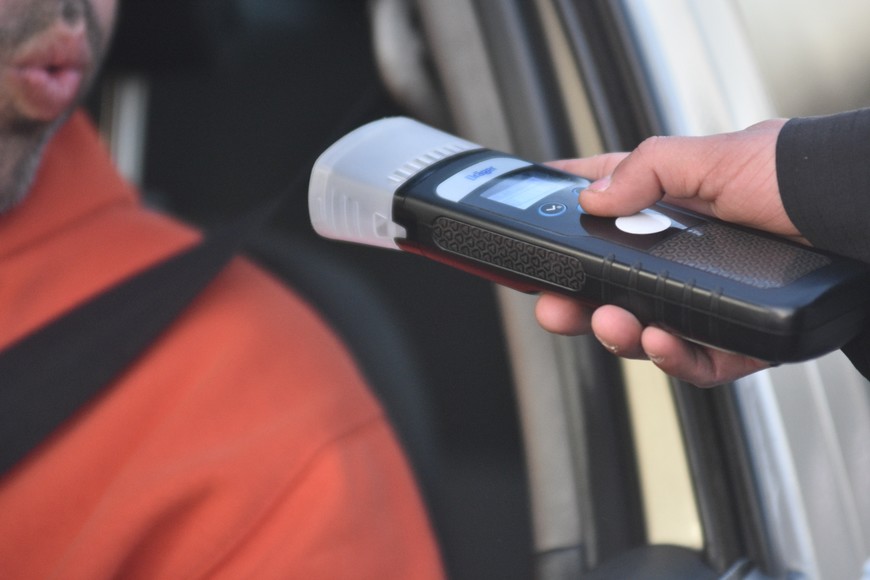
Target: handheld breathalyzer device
x,y
399,184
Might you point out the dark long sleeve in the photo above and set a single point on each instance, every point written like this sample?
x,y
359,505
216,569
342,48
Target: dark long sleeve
x,y
823,168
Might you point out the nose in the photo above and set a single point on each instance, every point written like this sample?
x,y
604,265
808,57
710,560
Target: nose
x,y
72,11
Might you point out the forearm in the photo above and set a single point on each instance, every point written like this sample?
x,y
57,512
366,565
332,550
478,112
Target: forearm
x,y
823,169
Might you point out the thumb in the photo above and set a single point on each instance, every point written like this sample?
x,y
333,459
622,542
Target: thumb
x,y
658,164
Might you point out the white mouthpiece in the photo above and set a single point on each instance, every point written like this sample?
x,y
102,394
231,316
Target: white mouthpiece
x,y
350,195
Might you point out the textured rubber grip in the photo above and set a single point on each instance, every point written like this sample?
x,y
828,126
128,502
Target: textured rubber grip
x,y
740,256
509,253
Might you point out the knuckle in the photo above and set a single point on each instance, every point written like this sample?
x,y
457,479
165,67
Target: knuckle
x,y
650,146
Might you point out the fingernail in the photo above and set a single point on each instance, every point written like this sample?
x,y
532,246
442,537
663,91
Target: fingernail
x,y
600,185
656,359
613,349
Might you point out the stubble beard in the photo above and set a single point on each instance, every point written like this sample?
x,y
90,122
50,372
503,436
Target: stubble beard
x,y
22,153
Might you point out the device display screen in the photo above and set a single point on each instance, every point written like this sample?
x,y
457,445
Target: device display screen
x,y
525,190
534,196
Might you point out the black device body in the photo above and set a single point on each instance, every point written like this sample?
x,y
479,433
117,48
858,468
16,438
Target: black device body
x,y
718,284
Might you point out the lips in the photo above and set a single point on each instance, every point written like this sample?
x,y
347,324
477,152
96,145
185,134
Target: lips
x,y
47,75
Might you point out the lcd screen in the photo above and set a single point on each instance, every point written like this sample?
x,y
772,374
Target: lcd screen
x,y
523,191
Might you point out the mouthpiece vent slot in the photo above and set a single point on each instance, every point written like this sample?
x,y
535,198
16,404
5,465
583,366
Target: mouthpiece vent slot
x,y
414,166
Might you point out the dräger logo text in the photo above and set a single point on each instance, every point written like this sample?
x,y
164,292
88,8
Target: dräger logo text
x,y
480,173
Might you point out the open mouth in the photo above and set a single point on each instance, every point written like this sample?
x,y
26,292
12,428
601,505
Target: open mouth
x,y
48,75
45,93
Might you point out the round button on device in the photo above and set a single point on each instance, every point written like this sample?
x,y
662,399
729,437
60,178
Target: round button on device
x,y
643,223
552,209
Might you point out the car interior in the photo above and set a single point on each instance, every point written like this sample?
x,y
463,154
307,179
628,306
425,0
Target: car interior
x,y
538,456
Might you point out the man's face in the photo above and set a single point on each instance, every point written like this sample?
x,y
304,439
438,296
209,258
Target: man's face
x,y
50,51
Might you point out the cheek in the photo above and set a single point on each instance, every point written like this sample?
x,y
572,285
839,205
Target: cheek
x,y
104,11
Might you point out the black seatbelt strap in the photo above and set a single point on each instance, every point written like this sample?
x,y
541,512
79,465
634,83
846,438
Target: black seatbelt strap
x,y
48,375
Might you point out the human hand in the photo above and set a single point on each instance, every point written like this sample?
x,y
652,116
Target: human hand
x,y
729,176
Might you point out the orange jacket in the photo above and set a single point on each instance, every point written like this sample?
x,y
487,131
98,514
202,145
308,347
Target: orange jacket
x,y
243,444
